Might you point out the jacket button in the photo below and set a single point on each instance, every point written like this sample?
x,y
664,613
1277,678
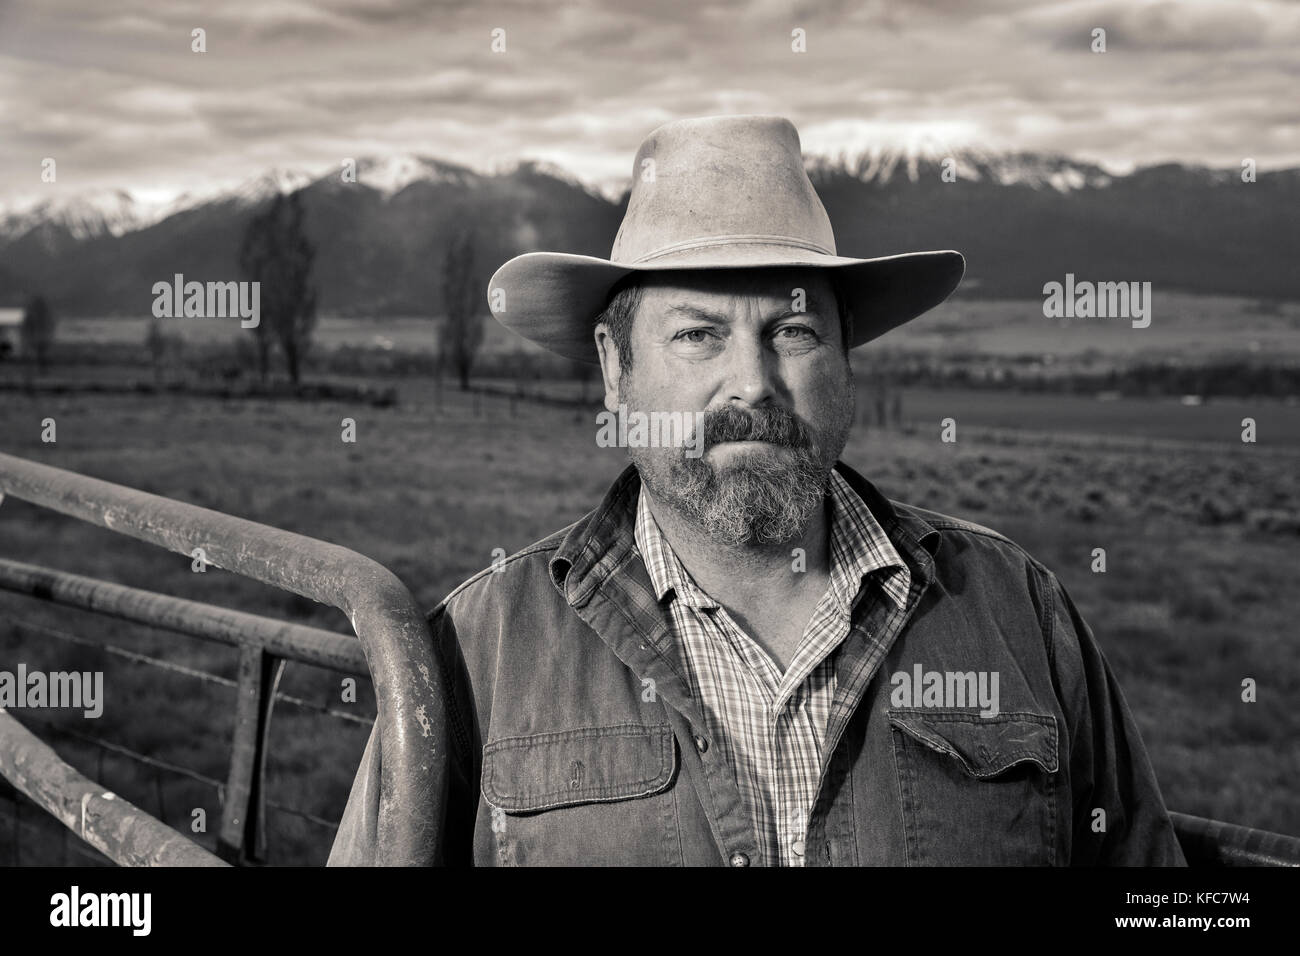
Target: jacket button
x,y
739,859
701,744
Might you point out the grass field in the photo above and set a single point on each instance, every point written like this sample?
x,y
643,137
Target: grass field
x,y
1202,535
1182,326
1188,327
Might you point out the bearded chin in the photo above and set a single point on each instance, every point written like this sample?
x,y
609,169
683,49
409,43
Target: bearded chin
x,y
758,499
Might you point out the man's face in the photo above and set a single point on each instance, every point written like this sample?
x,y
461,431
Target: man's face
x,y
767,367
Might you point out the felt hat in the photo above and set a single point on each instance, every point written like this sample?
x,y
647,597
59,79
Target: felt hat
x,y
721,192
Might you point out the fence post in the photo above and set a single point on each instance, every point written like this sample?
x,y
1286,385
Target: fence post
x,y
243,816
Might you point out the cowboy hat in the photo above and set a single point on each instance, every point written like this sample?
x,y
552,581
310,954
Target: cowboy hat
x,y
721,192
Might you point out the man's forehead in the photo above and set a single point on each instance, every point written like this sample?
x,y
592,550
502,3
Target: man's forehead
x,y
719,289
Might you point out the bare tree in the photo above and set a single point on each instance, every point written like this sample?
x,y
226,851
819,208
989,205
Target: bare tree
x,y
37,331
277,254
256,254
463,302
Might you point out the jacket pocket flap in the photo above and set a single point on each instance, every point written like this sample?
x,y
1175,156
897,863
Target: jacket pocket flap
x,y
985,746
588,765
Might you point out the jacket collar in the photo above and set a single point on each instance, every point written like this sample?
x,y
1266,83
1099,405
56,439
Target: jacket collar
x,y
601,541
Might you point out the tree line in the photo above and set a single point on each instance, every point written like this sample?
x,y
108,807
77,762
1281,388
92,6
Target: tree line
x,y
275,252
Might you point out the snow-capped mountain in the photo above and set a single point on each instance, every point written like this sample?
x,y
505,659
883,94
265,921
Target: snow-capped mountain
x,y
258,189
883,165
389,175
543,169
83,216
1020,219
116,212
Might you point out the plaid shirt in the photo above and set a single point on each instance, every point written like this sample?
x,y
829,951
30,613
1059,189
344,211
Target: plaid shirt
x,y
769,726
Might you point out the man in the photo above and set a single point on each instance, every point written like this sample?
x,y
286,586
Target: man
x,y
750,656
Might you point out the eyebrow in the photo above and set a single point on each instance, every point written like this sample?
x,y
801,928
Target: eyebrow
x,y
682,310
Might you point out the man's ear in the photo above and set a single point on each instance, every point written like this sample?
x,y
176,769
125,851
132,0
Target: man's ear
x,y
609,367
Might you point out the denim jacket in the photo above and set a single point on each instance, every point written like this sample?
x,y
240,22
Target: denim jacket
x,y
575,740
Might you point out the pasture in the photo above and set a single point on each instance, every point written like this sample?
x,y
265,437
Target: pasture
x,y
1201,532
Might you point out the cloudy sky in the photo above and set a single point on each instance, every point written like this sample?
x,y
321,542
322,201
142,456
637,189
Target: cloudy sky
x,y
113,91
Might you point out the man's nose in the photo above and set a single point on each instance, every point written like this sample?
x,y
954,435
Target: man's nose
x,y
751,371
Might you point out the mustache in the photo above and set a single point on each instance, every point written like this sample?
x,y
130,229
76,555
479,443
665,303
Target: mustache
x,y
768,423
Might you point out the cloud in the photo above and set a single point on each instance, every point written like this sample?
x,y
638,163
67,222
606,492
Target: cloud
x,y
1194,26
117,94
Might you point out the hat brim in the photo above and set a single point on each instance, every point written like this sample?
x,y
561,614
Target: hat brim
x,y
553,298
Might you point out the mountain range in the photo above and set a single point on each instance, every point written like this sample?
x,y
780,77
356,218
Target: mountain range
x,y
1020,219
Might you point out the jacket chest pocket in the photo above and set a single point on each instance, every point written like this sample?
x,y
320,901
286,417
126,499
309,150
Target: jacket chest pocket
x,y
594,796
976,790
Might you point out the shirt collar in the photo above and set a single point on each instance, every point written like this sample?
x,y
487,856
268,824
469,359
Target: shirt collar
x,y
666,572
860,547
595,550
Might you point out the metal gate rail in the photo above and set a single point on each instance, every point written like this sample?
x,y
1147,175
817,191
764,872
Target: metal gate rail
x,y
1215,843
263,643
393,632
118,829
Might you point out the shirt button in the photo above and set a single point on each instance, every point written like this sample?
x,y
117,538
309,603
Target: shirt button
x,y
739,859
797,847
702,745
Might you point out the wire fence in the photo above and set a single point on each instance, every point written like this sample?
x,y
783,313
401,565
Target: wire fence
x,y
157,765
206,677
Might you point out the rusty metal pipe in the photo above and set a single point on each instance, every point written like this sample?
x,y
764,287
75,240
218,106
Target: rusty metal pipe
x,y
394,634
113,826
296,642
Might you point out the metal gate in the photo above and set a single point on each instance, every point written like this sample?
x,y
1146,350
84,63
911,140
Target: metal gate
x,y
394,637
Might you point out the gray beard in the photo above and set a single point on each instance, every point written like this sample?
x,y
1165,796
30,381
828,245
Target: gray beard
x,y
757,500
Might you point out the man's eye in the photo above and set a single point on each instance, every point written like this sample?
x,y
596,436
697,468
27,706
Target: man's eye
x,y
693,336
794,333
